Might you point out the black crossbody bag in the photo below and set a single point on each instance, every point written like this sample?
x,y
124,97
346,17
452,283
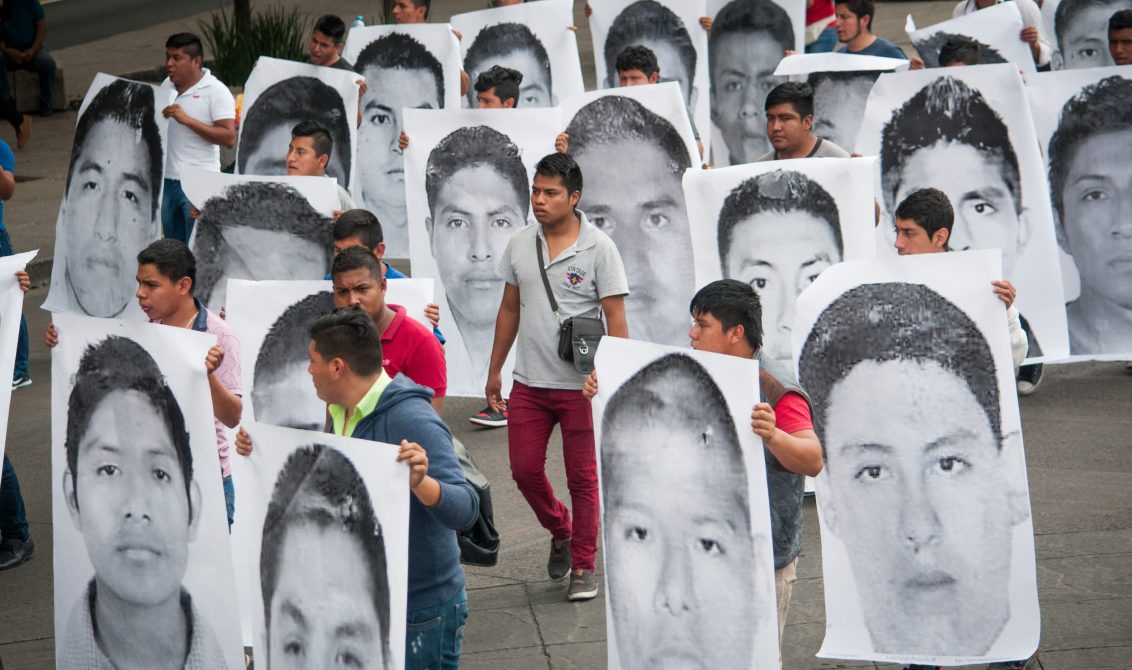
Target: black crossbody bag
x,y
578,336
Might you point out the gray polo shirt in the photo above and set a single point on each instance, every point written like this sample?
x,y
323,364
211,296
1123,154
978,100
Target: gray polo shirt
x,y
823,149
580,276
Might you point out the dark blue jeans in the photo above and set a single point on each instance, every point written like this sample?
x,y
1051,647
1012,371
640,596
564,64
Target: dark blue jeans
x,y
175,219
230,500
43,65
13,518
434,636
21,369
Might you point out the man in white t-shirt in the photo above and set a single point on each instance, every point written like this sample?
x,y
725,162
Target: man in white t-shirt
x,y
204,113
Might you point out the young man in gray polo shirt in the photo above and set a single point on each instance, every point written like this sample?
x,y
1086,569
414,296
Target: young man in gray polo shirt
x,y
586,274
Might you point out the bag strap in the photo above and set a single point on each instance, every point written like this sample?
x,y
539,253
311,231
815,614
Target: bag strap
x,y
545,281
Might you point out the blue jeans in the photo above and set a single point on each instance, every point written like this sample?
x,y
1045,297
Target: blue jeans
x,y
230,500
434,636
21,369
13,518
826,42
175,219
43,65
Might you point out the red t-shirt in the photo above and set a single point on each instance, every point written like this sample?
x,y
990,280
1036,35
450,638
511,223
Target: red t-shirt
x,y
408,347
821,10
792,413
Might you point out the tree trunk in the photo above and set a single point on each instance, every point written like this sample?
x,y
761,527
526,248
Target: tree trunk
x,y
242,10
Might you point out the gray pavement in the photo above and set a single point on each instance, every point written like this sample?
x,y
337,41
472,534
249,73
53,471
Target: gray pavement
x,y
1077,429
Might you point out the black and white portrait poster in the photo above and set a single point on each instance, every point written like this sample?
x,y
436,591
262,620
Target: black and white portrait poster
x,y
258,228
1080,30
272,320
111,206
322,548
996,29
748,39
534,39
11,309
633,145
964,131
1084,122
282,93
406,67
142,550
689,563
468,188
776,226
841,84
927,539
672,30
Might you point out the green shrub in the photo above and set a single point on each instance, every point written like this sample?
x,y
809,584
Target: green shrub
x,y
274,31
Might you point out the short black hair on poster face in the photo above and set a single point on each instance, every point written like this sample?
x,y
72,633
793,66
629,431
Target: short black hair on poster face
x,y
296,99
817,79
643,21
133,105
732,303
1067,12
319,486
929,208
287,342
357,258
501,39
172,258
400,51
359,223
946,110
637,57
561,166
618,118
187,42
751,16
504,80
323,142
796,93
473,146
943,49
119,364
331,26
348,333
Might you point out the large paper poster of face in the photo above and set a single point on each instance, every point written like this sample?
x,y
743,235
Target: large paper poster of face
x,y
406,67
995,30
469,189
11,308
962,131
140,527
927,540
777,225
689,564
258,228
111,207
323,549
534,39
1080,28
272,320
672,30
1084,121
841,84
748,39
279,95
633,145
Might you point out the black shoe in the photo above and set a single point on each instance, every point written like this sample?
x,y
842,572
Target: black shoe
x,y
490,418
20,382
558,565
1029,376
13,552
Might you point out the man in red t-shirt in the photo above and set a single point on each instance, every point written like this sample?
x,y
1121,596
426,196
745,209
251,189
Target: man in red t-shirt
x,y
727,319
407,346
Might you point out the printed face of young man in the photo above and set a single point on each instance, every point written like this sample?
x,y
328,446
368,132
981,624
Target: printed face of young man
x,y
1084,42
477,210
1097,201
258,254
919,497
839,107
779,255
741,77
128,500
382,163
534,90
679,551
985,213
641,207
107,218
291,400
322,612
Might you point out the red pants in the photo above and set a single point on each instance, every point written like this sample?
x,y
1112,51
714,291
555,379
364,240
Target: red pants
x,y
532,413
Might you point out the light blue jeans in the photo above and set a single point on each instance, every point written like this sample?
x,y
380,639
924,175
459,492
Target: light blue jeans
x,y
230,500
434,636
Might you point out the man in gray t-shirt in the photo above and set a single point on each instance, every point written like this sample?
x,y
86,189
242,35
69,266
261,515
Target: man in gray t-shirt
x,y
587,277
790,124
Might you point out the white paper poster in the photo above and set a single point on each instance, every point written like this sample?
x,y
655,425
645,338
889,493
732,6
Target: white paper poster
x,y
1084,122
672,30
962,130
11,309
1079,29
406,67
258,228
468,188
927,539
995,28
534,39
111,206
689,562
323,547
140,527
282,93
777,225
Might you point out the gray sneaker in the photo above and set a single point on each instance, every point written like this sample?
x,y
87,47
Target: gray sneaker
x,y
583,586
558,565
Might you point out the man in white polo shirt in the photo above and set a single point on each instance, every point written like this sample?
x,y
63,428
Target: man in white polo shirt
x,y
204,113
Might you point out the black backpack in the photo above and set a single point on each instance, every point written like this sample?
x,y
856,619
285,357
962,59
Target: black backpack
x,y
479,545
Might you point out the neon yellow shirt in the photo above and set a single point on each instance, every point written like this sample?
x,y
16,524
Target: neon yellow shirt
x,y
364,408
